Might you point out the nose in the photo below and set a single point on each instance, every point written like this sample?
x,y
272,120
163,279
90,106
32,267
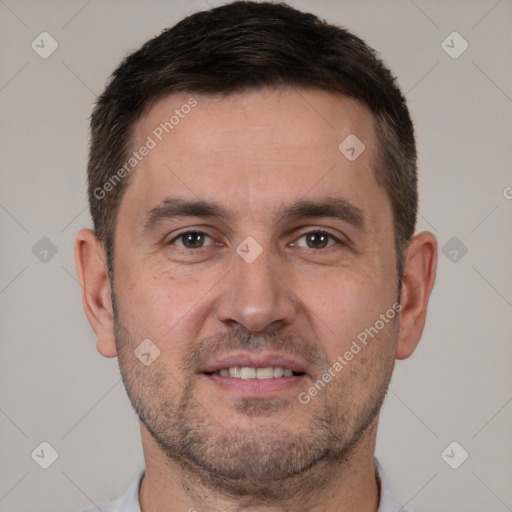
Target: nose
x,y
256,295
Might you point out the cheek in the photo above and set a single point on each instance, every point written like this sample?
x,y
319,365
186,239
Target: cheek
x,y
143,302
153,304
345,306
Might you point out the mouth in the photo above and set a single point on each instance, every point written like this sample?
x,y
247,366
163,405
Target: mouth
x,y
256,374
247,372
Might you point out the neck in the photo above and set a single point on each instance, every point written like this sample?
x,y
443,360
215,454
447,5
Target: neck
x,y
333,486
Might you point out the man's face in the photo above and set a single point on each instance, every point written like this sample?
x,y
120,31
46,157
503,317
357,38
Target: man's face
x,y
279,281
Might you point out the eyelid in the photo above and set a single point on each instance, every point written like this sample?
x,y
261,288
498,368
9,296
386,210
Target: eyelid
x,y
177,236
339,240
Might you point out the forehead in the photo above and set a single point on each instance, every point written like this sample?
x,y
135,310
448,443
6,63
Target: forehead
x,y
252,148
294,117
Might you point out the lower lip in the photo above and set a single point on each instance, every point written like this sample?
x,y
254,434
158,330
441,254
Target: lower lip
x,y
256,387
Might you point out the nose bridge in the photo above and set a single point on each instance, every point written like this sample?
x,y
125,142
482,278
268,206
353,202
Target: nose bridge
x,y
255,295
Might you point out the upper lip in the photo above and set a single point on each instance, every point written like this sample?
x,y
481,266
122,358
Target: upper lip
x,y
255,360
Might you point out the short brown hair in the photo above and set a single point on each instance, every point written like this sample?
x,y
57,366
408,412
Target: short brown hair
x,y
241,46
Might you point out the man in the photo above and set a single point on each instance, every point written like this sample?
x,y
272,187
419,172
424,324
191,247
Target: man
x,y
253,264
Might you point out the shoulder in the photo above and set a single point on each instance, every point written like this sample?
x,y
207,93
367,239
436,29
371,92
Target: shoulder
x,y
128,502
387,501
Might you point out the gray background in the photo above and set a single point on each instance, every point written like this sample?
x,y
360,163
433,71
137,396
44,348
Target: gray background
x,y
56,388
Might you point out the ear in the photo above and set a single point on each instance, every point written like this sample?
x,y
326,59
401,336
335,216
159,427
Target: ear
x,y
92,271
418,281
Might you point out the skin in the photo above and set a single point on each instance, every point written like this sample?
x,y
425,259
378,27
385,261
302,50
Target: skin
x,y
209,447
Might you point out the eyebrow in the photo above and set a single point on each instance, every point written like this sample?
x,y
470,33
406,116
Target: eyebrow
x,y
176,207
329,207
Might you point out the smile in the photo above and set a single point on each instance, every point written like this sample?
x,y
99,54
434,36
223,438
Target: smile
x,y
246,372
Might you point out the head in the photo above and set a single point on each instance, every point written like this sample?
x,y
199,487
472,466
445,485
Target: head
x,y
244,235
236,48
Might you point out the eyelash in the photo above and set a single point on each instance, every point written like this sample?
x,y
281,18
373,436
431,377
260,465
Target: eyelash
x,y
317,232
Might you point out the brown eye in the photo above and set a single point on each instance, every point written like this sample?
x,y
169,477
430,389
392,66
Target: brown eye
x,y
190,240
318,240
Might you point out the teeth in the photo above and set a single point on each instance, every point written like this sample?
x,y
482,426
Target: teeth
x,y
278,372
245,372
234,371
265,373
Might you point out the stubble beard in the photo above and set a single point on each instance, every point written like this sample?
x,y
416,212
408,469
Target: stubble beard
x,y
264,462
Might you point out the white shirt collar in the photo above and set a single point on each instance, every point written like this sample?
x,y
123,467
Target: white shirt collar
x,y
387,501
129,501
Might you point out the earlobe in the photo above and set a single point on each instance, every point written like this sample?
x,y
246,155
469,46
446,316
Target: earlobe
x,y
93,276
418,281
